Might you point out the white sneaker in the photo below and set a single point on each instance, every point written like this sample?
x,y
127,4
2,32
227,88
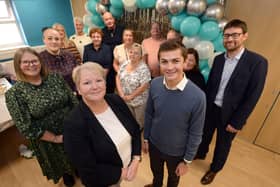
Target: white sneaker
x,y
24,151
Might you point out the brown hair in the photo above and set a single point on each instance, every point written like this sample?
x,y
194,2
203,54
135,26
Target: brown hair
x,y
194,52
17,61
171,45
237,23
94,30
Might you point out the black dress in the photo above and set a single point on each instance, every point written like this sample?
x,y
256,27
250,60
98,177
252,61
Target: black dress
x,y
197,78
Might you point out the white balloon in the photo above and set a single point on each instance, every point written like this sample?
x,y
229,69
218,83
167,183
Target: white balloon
x,y
205,49
190,42
130,9
129,3
87,20
211,59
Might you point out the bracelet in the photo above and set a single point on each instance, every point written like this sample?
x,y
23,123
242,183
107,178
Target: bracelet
x,y
138,158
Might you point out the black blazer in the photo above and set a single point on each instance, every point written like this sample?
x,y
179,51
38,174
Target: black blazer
x,y
243,89
90,148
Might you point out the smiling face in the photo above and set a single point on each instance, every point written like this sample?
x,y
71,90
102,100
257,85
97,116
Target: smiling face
x,y
60,29
30,65
135,54
172,66
91,86
79,26
109,20
96,39
127,37
234,39
52,40
190,62
155,30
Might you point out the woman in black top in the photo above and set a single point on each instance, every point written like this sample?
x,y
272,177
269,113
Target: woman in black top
x,y
192,69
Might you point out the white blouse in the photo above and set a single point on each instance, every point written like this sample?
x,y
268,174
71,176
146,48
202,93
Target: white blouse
x,y
117,133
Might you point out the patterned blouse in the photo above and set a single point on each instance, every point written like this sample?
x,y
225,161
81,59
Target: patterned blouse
x,y
62,64
37,108
130,81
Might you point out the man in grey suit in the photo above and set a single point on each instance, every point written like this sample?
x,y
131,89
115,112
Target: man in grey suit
x,y
234,86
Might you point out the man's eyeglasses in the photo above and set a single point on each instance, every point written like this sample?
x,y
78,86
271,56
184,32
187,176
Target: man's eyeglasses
x,y
233,35
29,62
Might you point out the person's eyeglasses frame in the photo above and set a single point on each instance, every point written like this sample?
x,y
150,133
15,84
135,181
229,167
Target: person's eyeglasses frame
x,y
29,62
234,35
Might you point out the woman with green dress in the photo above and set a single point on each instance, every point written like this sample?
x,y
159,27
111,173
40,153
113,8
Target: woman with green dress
x,y
38,103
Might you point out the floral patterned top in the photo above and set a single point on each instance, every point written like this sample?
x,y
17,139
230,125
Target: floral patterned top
x,y
37,108
130,81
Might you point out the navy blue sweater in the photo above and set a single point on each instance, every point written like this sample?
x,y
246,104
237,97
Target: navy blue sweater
x,y
174,119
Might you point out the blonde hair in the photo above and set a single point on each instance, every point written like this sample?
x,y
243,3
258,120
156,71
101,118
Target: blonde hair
x,y
17,61
93,67
66,42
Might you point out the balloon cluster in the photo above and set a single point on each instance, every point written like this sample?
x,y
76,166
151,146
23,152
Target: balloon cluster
x,y
200,22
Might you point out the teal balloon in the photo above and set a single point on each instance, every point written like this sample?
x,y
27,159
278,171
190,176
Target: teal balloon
x,y
209,2
205,72
117,3
148,3
91,4
97,20
177,20
190,26
218,43
209,30
140,4
203,63
116,12
85,29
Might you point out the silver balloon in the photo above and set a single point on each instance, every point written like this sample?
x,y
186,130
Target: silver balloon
x,y
162,7
196,7
104,2
101,9
176,6
190,42
222,23
214,12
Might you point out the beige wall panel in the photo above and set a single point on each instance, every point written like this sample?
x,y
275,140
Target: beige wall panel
x,y
263,22
269,135
78,7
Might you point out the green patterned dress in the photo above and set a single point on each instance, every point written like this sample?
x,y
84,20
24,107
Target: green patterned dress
x,y
37,108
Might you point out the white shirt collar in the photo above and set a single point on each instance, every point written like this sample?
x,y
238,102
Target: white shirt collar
x,y
237,56
180,86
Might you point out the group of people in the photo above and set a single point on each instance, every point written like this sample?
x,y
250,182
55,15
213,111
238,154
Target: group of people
x,y
159,90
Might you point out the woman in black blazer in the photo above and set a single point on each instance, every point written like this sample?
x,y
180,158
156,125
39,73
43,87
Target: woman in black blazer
x,y
192,69
101,137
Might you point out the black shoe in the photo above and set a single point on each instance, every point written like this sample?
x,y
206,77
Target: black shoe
x,y
208,177
68,180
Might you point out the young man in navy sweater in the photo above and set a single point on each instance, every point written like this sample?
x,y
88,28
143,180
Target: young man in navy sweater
x,y
174,117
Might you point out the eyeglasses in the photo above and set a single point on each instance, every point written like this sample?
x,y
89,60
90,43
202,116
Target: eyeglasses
x,y
233,35
29,62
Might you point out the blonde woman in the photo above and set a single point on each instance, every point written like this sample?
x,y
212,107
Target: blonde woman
x,y
67,44
133,82
121,51
101,137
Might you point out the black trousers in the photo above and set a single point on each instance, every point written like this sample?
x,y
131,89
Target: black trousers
x,y
157,160
223,139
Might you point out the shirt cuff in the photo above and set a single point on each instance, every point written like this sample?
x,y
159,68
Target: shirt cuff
x,y
187,161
